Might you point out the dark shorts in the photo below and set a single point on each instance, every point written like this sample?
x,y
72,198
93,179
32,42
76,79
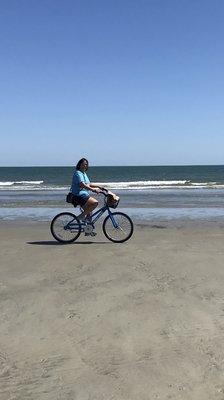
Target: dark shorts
x,y
81,199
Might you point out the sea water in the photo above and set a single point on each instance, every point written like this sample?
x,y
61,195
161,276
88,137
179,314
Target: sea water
x,y
146,192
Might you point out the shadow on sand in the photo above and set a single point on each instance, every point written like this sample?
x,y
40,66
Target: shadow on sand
x,y
54,243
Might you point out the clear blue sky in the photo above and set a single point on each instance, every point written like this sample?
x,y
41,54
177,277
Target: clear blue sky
x,y
122,82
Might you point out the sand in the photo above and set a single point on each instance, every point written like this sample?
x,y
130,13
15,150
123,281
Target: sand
x,y
100,321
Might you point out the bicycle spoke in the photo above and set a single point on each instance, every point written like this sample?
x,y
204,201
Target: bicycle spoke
x,y
118,227
65,227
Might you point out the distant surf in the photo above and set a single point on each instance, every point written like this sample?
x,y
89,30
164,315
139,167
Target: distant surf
x,y
21,183
140,185
122,185
184,189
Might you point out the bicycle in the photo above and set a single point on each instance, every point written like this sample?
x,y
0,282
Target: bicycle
x,y
117,226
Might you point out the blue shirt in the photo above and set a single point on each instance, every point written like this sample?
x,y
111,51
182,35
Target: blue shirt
x,y
79,177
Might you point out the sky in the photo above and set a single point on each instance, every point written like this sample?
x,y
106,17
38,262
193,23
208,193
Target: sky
x,y
122,82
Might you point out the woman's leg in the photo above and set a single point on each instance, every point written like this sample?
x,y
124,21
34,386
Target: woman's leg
x,y
88,207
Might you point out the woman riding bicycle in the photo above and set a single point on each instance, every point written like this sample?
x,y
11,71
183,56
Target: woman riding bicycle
x,y
66,227
80,188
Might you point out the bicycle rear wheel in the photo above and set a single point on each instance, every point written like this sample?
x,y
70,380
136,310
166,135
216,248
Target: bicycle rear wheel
x,y
118,227
65,227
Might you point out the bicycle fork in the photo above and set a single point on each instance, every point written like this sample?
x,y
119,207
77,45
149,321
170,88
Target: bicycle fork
x,y
115,224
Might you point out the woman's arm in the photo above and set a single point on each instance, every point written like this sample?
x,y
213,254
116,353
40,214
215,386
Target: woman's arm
x,y
91,186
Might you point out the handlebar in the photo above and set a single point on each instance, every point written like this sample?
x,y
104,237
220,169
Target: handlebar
x,y
105,194
110,199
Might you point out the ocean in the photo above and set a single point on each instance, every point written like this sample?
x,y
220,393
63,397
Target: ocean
x,y
146,192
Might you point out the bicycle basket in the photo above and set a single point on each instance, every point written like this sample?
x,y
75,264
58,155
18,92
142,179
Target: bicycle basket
x,y
112,201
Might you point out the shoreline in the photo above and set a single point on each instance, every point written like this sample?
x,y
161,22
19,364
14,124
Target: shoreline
x,y
153,224
140,216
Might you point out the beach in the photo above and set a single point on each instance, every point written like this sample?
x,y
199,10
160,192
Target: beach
x,y
118,108
97,320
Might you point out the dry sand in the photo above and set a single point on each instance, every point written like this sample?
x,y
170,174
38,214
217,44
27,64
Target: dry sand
x,y
95,320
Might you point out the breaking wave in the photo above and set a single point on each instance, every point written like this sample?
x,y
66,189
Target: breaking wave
x,y
141,185
130,185
20,183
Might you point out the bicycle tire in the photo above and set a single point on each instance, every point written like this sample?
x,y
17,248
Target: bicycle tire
x,y
59,230
108,225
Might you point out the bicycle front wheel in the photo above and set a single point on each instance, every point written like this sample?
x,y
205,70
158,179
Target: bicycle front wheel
x,y
118,227
65,227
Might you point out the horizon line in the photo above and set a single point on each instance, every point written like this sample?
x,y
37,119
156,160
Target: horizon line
x,y
116,166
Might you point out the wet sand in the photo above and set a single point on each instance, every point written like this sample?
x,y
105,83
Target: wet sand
x,y
95,320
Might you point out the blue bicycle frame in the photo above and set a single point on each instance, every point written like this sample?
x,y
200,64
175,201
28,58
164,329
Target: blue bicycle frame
x,y
95,217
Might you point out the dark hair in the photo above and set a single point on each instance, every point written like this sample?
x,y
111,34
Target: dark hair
x,y
80,162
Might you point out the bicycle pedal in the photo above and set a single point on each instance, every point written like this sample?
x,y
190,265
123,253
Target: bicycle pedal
x,y
90,234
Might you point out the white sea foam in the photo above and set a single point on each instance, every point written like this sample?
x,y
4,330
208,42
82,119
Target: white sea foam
x,y
130,185
12,183
141,185
6,183
29,182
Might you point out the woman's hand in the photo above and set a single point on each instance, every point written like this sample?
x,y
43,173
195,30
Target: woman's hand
x,y
96,190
